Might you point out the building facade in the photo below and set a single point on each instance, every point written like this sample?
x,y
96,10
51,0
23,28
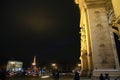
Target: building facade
x,y
98,48
14,66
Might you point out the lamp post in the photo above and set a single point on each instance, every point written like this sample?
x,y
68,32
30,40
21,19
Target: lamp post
x,y
54,66
79,67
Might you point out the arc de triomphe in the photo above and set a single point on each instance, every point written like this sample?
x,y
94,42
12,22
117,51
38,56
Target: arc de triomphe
x,y
98,48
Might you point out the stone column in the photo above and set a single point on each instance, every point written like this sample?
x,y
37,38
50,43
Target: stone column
x,y
103,49
88,42
83,56
86,55
84,63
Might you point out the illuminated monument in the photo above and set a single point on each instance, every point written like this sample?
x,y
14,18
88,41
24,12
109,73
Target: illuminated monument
x,y
98,48
34,67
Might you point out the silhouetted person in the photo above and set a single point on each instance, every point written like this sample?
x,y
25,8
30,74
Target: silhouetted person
x,y
57,75
3,74
53,74
77,76
90,75
107,77
101,77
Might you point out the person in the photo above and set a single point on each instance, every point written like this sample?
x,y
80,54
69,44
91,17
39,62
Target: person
x,y
107,77
77,76
53,74
101,77
57,75
3,74
90,75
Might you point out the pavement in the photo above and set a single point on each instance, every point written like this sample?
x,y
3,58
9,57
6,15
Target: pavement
x,y
44,78
50,78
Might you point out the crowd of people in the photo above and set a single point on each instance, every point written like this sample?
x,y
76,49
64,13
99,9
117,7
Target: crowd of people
x,y
102,77
56,75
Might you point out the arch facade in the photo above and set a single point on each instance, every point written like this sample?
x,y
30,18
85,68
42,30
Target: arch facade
x,y
98,49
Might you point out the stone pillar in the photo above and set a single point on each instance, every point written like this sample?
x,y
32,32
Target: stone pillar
x,y
88,43
116,20
86,55
83,56
84,63
103,49
100,45
90,64
116,7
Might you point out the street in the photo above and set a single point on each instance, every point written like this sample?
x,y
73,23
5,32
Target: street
x,y
49,78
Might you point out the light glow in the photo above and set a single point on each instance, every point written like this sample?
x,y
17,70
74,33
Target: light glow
x,y
79,65
45,76
53,64
12,62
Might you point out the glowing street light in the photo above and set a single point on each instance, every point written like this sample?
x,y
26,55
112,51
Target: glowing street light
x,y
78,68
53,65
79,65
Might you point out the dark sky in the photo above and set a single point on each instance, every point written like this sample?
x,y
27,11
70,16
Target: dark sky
x,y
48,29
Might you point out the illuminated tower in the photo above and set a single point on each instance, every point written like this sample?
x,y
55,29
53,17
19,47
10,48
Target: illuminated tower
x,y
34,63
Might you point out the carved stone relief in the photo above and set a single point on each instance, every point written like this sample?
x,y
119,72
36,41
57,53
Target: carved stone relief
x,y
83,38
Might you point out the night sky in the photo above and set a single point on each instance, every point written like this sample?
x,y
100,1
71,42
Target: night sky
x,y
48,29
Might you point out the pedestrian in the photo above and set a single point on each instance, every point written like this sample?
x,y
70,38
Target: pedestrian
x,y
3,74
53,74
77,76
57,75
90,75
107,77
101,77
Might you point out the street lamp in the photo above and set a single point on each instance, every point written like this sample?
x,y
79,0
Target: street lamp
x,y
53,65
79,65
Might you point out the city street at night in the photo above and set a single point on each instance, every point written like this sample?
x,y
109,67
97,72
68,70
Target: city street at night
x,y
50,78
60,40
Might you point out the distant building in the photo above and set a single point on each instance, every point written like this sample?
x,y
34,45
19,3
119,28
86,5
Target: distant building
x,y
14,66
